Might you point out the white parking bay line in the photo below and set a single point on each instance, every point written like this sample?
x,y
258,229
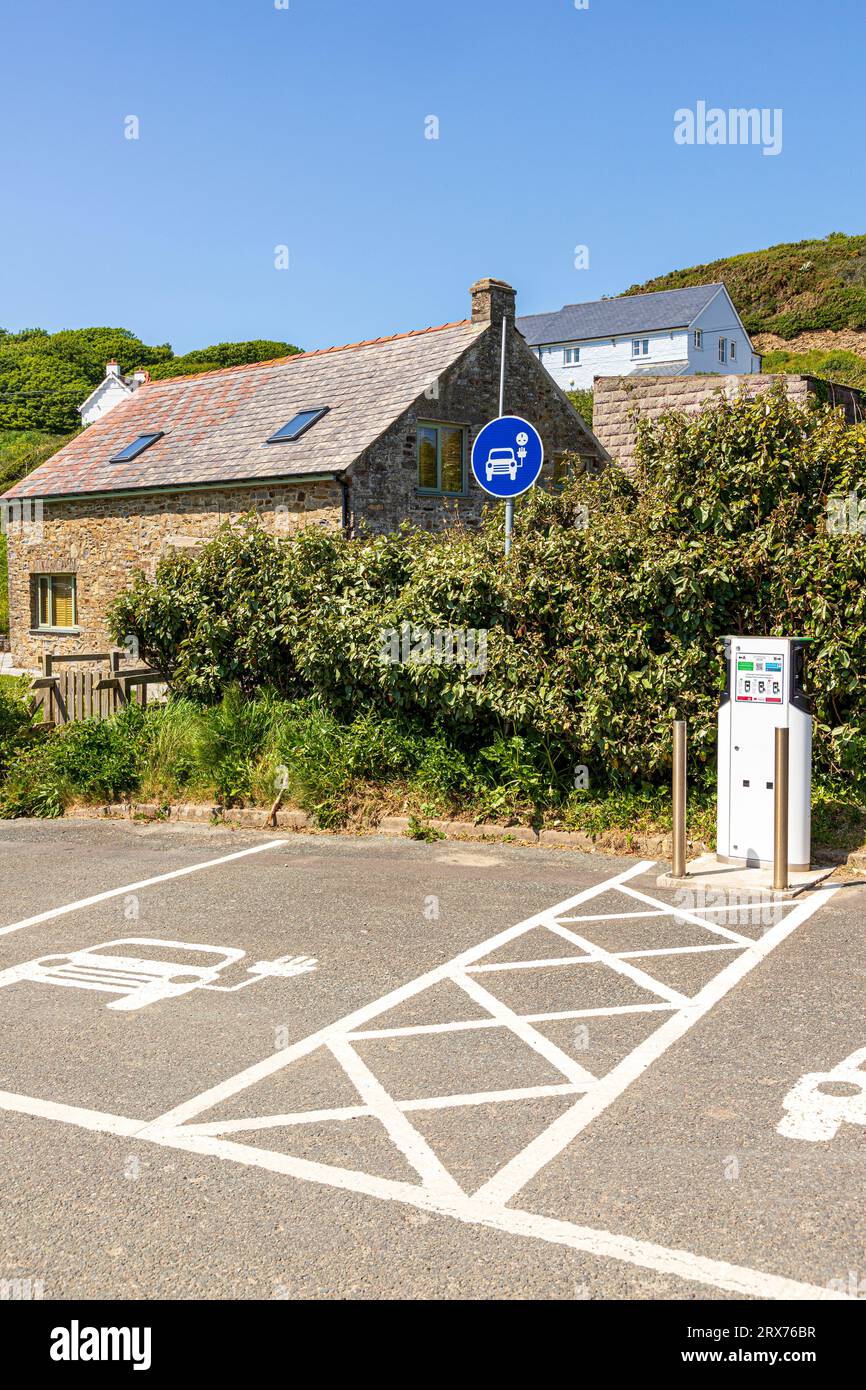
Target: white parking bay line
x,y
134,887
641,1254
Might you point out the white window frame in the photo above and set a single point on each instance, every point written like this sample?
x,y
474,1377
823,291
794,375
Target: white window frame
x,y
640,347
699,340
723,349
732,350
571,356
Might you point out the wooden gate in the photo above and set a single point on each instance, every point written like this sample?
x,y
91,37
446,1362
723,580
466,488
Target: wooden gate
x,y
68,694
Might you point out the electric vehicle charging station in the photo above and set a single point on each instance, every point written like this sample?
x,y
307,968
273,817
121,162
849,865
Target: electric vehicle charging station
x,y
764,692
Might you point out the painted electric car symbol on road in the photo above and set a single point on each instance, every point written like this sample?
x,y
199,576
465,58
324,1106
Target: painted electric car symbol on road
x,y
816,1113
143,970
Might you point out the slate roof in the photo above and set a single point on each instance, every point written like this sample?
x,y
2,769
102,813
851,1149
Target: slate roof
x,y
216,423
603,318
663,369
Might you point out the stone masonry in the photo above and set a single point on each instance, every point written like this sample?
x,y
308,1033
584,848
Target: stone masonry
x,y
104,540
619,402
384,480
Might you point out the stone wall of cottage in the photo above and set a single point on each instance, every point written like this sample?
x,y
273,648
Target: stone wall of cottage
x,y
384,480
619,402
103,541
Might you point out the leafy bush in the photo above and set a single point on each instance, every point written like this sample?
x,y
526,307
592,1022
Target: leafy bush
x,y
597,638
94,760
16,720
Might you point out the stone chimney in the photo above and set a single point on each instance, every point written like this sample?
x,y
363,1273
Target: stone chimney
x,y
112,369
139,378
492,301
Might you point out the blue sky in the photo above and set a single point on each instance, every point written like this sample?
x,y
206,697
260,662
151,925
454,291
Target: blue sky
x,y
305,127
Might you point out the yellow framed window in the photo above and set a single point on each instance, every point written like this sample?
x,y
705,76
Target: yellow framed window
x,y
56,601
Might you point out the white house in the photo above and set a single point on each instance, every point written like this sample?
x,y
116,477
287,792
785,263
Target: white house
x,y
112,389
667,333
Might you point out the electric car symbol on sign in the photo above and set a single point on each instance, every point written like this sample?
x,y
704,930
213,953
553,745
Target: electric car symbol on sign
x,y
501,461
155,970
822,1101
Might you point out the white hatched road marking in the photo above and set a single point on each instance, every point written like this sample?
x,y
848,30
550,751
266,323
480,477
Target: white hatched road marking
x,y
438,1191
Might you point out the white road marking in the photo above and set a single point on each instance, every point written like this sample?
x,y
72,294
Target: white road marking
x,y
150,976
278,1060
69,1114
641,1254
527,964
505,1184
412,1145
577,1074
680,950
468,1024
692,917
135,887
439,1192
621,967
357,1112
815,1114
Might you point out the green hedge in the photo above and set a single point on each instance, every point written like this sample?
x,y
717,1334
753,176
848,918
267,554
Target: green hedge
x,y
598,637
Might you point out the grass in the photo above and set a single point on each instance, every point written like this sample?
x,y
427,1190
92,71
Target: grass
x,y
246,752
846,368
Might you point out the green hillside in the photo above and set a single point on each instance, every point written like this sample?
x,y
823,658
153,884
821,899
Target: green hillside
x,y
45,376
789,289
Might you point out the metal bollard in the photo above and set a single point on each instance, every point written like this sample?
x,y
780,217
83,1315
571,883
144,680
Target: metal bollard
x,y
780,811
678,866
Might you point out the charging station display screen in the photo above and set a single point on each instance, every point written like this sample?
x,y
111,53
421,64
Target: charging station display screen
x,y
760,677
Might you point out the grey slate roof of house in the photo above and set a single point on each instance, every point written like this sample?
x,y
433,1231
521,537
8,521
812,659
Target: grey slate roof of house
x,y
663,369
216,424
602,318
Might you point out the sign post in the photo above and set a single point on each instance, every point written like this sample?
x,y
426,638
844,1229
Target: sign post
x,y
507,456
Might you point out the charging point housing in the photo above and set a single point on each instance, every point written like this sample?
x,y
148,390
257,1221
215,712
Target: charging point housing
x,y
764,692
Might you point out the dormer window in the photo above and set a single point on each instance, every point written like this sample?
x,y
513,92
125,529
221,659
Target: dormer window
x,y
137,447
298,425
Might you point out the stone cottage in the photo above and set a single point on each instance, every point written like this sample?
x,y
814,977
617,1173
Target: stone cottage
x,y
363,436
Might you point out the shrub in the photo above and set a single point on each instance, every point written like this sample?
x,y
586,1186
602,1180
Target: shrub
x,y
94,760
597,638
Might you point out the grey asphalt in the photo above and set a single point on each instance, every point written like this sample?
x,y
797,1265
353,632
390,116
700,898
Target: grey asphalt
x,y
688,1157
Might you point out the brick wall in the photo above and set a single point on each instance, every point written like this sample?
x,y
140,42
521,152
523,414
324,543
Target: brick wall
x,y
384,486
102,541
620,401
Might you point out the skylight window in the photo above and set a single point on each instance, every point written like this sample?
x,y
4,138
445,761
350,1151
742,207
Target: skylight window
x,y
298,424
137,447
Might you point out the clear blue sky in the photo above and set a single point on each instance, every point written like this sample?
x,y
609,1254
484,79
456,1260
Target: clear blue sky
x,y
305,127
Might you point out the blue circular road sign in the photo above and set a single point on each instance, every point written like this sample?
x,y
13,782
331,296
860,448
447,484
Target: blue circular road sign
x,y
507,456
